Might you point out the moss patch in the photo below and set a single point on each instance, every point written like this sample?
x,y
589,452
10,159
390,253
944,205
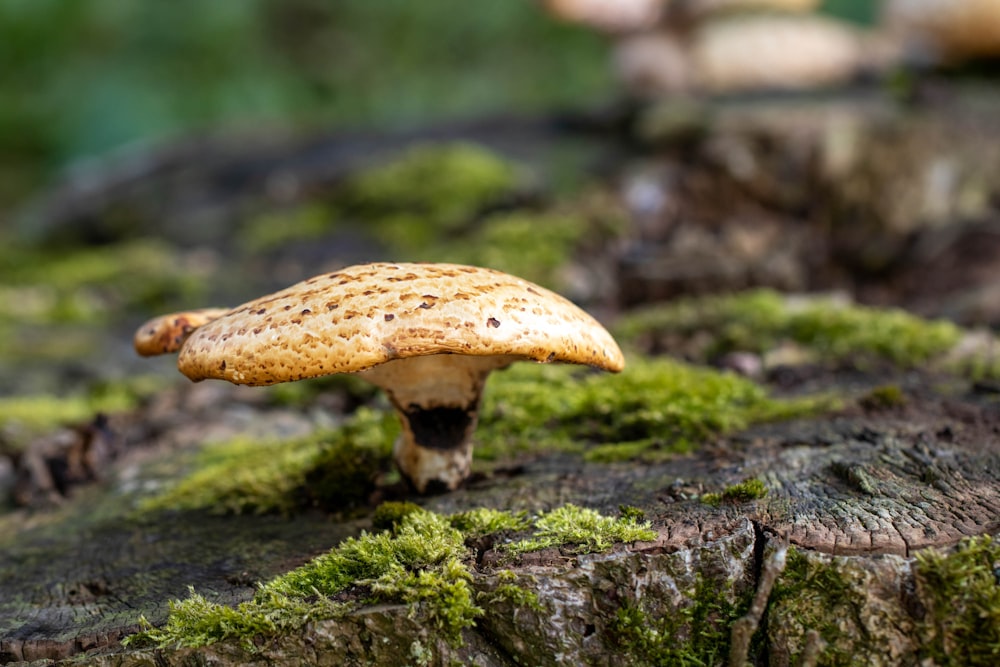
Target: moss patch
x,y
961,592
884,397
197,621
760,320
276,228
333,469
418,562
631,513
421,561
534,246
581,531
744,492
486,521
86,285
696,634
428,190
953,614
439,203
305,392
23,418
814,594
390,514
507,591
655,408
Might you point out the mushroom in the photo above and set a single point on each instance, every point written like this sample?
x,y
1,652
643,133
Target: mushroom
x,y
827,52
426,334
166,333
711,56
945,30
613,17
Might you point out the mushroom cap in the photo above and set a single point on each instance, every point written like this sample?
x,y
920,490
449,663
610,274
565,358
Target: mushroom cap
x,y
947,28
612,17
826,51
167,333
362,316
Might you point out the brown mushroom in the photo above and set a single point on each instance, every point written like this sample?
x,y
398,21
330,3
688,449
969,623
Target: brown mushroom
x,y
166,333
427,334
945,30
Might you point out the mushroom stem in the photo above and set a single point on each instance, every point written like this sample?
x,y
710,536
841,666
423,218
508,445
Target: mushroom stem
x,y
437,399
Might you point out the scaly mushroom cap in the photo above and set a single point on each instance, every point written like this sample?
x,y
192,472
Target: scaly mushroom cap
x,y
362,316
167,333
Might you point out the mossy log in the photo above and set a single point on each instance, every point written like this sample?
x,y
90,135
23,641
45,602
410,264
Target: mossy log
x,y
859,496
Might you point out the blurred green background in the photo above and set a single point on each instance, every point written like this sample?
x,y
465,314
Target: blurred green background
x,y
81,78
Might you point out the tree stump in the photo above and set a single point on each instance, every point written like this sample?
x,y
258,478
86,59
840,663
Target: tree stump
x,y
856,495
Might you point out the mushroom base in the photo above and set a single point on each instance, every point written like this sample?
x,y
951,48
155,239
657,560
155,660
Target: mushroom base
x,y
437,399
430,470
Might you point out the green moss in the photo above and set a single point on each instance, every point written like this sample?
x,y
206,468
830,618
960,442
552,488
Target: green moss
x,y
343,473
400,70
419,564
243,475
444,593
751,321
334,469
655,408
23,418
422,561
423,539
581,530
631,513
961,592
884,397
760,320
507,591
744,492
197,621
841,333
486,521
957,620
390,514
816,594
696,634
86,285
617,452
276,228
427,191
305,392
534,246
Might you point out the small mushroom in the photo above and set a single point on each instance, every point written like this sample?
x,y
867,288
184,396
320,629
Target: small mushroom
x,y
166,333
945,30
427,334
711,56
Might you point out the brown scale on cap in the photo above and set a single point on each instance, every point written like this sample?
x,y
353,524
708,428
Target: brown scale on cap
x,y
427,334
